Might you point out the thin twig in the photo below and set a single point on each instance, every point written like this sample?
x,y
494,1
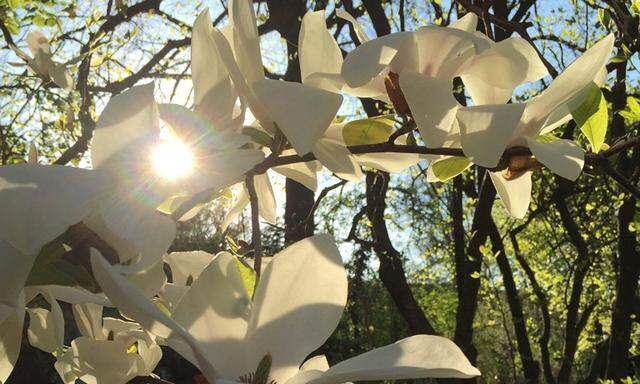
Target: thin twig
x,y
256,236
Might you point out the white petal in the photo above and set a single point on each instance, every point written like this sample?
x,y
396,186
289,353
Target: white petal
x,y
88,317
421,356
222,169
515,194
246,42
389,162
11,322
136,231
132,301
368,60
455,47
61,76
149,280
240,83
103,361
39,202
562,157
337,158
13,273
187,265
362,36
468,23
297,304
485,131
127,118
37,42
71,295
213,93
242,200
318,363
432,105
303,173
504,66
266,198
318,50
574,78
301,112
215,312
46,331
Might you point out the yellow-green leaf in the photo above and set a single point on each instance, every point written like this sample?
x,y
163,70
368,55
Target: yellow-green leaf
x,y
448,168
592,117
247,274
368,131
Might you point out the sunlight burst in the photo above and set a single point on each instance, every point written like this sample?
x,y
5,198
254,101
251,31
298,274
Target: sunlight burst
x,y
172,159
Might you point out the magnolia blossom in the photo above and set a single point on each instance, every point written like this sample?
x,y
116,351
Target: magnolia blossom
x,y
125,137
37,206
296,305
42,63
488,130
420,66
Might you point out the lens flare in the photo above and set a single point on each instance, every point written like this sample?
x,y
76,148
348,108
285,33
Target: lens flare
x,y
172,159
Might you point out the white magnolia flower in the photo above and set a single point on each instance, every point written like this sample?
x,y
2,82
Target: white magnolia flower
x,y
488,130
124,146
420,67
110,350
41,62
38,204
227,329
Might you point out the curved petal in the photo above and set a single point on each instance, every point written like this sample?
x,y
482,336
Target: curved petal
x,y
71,295
88,317
61,76
11,322
37,42
467,23
111,365
246,41
137,232
562,157
318,363
432,105
222,169
492,75
127,118
362,36
515,194
303,173
187,266
149,280
215,312
297,304
421,356
13,279
336,157
485,131
45,331
389,162
266,198
212,90
39,202
301,112
242,200
317,49
132,301
573,79
454,48
368,60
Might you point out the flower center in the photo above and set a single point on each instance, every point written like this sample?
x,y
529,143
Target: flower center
x,y
261,375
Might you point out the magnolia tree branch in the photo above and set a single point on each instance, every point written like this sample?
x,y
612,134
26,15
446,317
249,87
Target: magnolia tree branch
x,y
256,235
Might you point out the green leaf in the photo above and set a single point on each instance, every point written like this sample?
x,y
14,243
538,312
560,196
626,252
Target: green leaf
x,y
368,131
475,275
592,117
546,138
450,167
247,274
258,136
